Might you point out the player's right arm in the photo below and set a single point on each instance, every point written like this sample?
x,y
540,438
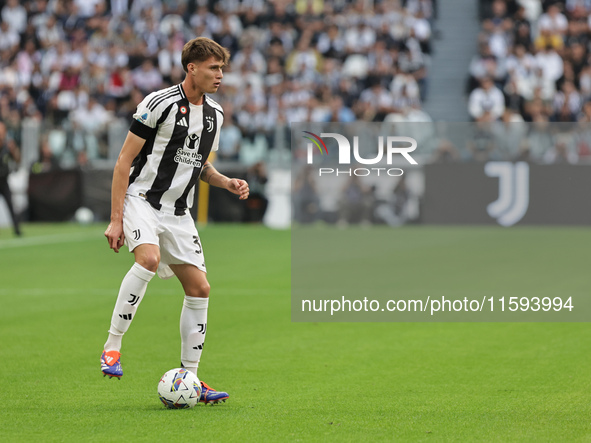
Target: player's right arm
x,y
131,148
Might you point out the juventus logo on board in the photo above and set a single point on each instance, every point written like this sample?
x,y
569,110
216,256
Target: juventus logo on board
x,y
183,122
513,199
209,121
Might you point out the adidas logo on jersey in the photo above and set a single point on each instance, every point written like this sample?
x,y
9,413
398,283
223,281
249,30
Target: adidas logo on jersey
x,y
182,122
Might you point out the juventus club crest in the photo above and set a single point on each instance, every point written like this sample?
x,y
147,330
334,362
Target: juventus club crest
x,y
209,121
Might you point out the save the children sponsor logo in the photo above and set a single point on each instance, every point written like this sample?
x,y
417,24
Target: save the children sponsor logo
x,y
189,154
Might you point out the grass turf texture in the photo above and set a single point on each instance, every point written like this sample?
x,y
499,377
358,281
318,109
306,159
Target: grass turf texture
x,y
287,381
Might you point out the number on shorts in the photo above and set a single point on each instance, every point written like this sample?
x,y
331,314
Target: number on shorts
x,y
199,249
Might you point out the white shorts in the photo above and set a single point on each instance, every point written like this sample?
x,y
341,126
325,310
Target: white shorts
x,y
175,235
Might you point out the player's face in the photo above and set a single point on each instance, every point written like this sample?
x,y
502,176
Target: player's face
x,y
206,75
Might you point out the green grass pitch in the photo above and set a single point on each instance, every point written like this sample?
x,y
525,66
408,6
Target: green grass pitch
x,y
287,381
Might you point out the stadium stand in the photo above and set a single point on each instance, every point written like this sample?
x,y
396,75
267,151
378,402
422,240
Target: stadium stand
x,y
76,69
535,53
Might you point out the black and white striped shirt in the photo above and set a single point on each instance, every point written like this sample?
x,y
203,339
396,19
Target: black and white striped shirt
x,y
179,137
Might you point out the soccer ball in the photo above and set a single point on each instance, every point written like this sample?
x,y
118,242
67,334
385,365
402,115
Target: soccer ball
x,y
179,389
84,216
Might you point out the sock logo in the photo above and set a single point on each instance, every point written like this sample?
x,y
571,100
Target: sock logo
x,y
199,347
134,300
126,316
202,327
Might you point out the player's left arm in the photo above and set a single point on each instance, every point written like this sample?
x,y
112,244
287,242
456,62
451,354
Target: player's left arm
x,y
211,175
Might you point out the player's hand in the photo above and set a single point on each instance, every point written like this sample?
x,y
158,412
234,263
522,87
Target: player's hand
x,y
238,187
115,235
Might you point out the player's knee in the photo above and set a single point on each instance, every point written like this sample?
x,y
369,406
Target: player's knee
x,y
149,261
199,290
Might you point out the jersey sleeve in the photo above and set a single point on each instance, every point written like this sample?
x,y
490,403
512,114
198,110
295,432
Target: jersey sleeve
x,y
146,118
216,140
146,113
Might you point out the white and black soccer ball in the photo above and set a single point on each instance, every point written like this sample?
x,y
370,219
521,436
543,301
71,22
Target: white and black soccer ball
x,y
179,389
84,216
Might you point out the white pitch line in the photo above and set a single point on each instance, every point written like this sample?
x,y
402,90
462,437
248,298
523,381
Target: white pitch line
x,y
56,291
42,292
49,239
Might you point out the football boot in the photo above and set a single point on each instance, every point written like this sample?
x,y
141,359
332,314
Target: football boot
x,y
111,364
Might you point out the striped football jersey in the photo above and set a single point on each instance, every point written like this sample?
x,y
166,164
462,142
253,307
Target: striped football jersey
x,y
179,137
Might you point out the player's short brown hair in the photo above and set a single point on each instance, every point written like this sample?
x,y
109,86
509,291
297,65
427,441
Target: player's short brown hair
x,y
200,49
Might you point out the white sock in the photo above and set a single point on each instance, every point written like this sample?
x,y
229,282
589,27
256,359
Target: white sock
x,y
131,292
193,327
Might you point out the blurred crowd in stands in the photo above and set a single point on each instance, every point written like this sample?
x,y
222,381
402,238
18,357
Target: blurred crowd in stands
x,y
76,66
533,62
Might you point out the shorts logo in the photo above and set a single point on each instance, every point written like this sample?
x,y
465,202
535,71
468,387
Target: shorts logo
x,y
136,234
